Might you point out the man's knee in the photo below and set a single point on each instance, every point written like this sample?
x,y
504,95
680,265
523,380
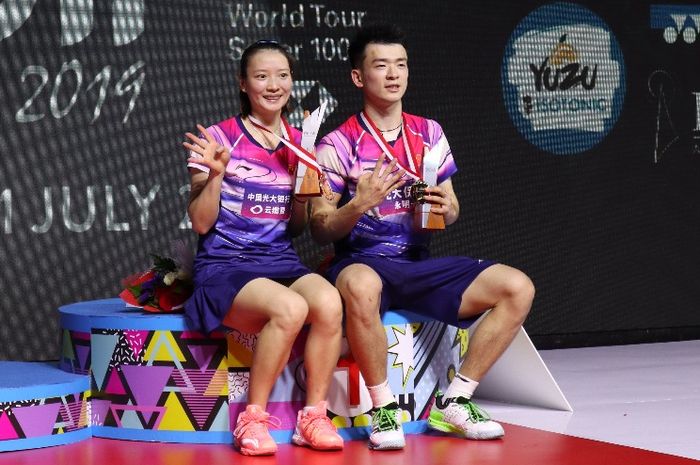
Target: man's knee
x,y
520,286
359,282
361,289
520,291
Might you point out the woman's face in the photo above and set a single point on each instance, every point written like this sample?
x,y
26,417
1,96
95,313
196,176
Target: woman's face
x,y
268,82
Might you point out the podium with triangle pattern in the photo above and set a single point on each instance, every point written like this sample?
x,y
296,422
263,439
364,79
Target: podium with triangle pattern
x,y
42,406
151,377
127,374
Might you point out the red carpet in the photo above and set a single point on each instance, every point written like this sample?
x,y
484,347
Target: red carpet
x,y
522,446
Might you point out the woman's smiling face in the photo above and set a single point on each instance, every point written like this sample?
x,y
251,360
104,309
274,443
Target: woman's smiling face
x,y
267,82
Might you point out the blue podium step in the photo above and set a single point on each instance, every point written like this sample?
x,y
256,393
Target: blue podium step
x,y
42,405
152,378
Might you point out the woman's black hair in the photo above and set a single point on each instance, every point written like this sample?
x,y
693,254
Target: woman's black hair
x,y
243,73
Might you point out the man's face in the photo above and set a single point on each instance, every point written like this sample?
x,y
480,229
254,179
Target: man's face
x,y
383,76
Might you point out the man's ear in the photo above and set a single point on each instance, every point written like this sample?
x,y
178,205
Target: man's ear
x,y
356,76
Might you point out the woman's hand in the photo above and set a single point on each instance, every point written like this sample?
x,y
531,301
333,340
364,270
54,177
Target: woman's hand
x,y
214,155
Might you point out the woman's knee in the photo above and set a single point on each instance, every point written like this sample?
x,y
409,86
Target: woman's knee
x,y
291,311
327,308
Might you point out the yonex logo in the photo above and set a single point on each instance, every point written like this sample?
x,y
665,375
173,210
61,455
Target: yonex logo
x,y
676,22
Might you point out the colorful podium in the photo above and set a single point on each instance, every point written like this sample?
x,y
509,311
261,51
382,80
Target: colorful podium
x,y
133,375
153,379
42,406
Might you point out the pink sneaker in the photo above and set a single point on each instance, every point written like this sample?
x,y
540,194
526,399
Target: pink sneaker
x,y
251,436
315,429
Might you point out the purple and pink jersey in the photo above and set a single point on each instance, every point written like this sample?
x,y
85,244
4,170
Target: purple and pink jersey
x,y
387,230
256,196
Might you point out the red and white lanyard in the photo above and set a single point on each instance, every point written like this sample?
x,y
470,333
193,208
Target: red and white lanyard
x,y
304,155
412,169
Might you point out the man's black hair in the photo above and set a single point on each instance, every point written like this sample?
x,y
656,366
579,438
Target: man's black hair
x,y
373,33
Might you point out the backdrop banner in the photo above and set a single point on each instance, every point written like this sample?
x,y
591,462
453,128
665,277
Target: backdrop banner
x,y
575,128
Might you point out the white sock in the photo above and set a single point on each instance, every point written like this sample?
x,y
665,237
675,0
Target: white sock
x,y
381,394
307,408
461,386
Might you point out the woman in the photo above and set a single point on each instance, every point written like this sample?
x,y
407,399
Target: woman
x,y
247,275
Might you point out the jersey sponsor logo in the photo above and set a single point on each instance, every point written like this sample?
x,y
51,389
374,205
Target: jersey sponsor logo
x,y
396,201
265,203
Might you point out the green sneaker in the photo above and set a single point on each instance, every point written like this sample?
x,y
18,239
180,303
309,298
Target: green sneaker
x,y
387,433
462,416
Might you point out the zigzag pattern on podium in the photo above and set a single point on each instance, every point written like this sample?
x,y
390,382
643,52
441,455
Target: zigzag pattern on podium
x,y
44,417
159,380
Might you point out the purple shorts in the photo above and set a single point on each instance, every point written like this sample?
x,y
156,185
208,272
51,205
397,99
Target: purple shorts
x,y
431,287
217,284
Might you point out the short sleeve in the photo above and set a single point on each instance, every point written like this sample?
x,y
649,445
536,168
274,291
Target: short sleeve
x,y
332,155
438,139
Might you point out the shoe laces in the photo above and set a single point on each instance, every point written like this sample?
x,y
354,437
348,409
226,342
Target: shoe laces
x,y
314,422
255,423
384,419
476,413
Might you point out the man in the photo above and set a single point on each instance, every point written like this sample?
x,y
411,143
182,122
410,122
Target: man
x,y
382,259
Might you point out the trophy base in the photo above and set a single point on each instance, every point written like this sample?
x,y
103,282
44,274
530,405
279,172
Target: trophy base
x,y
308,186
428,220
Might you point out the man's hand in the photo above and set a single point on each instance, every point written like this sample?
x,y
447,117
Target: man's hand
x,y
441,203
372,188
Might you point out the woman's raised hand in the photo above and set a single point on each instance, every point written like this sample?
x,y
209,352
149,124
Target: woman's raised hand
x,y
213,155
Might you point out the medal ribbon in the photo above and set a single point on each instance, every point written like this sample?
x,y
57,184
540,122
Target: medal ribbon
x,y
411,170
304,155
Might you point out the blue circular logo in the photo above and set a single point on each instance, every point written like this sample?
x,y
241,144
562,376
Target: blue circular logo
x,y
563,78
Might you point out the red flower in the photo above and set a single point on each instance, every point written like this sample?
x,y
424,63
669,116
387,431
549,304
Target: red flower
x,y
149,291
170,298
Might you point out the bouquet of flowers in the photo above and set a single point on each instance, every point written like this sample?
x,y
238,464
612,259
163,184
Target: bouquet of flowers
x,y
164,287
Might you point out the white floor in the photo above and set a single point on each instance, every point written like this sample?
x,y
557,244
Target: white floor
x,y
645,396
